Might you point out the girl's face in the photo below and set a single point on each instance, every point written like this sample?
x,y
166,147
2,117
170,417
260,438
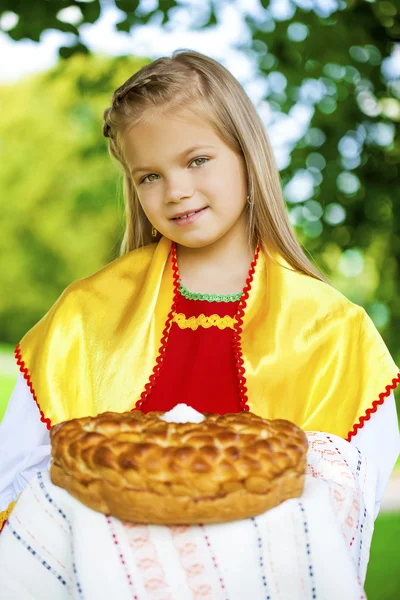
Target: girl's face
x,y
179,165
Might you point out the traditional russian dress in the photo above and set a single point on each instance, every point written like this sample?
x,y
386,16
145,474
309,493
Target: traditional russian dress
x,y
288,346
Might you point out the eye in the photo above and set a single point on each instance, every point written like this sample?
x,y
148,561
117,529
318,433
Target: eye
x,y
147,176
200,158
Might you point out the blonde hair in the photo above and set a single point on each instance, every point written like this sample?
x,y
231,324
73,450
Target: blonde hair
x,y
191,79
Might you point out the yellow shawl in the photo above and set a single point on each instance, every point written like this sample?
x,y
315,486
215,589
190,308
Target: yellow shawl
x,y
310,355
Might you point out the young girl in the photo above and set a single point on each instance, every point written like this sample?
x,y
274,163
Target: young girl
x,y
213,302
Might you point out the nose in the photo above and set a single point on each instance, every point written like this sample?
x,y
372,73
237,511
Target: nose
x,y
178,188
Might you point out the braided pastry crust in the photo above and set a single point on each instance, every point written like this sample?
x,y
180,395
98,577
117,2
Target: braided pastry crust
x,y
140,468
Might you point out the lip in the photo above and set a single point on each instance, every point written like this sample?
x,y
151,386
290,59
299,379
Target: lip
x,y
189,220
185,212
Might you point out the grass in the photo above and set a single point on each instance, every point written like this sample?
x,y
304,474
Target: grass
x,y
383,576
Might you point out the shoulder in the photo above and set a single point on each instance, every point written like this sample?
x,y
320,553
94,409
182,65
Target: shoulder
x,y
126,273
127,267
116,281
314,300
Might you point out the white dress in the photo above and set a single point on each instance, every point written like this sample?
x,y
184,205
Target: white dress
x,y
25,444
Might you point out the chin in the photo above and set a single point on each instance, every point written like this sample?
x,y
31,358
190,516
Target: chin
x,y
194,241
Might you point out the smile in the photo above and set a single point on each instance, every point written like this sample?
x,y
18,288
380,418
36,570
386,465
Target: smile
x,y
190,217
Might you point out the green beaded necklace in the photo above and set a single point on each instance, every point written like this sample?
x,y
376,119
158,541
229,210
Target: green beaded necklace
x,y
208,297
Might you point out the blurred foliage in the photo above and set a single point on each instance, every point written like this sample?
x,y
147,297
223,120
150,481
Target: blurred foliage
x,y
68,16
349,156
60,217
58,185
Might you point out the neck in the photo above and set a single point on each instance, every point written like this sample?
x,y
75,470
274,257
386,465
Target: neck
x,y
218,268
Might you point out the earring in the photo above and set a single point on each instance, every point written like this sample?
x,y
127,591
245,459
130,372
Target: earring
x,y
154,232
248,200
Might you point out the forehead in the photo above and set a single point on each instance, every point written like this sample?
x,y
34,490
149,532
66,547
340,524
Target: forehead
x,y
163,136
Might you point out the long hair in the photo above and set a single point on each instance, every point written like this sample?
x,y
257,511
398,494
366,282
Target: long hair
x,y
191,79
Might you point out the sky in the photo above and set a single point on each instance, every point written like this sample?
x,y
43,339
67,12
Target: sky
x,y
25,56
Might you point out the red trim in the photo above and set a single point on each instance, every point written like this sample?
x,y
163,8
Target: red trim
x,y
237,345
164,339
375,404
3,525
25,372
236,336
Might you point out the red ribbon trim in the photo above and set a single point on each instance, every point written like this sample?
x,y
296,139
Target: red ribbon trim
x,y
375,404
237,343
25,372
164,340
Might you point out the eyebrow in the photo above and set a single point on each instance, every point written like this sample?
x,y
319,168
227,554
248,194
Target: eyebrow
x,y
181,155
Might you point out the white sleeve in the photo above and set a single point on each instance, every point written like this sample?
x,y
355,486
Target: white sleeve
x,y
379,441
24,443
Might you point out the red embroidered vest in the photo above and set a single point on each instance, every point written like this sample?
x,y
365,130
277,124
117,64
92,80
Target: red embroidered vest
x,y
200,352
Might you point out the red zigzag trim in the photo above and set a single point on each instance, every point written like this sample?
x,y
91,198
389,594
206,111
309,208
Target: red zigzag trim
x,y
25,372
164,339
375,404
236,342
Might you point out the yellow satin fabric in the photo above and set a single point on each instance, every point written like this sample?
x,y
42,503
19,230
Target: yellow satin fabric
x,y
310,355
4,514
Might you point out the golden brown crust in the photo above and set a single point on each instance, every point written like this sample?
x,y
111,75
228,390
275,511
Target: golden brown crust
x,y
142,469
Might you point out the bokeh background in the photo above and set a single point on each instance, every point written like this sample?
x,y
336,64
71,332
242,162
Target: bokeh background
x,y
325,78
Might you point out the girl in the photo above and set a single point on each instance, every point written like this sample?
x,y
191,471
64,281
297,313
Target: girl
x,y
212,303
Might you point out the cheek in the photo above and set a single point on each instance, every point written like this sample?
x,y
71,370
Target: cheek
x,y
212,183
150,202
149,211
228,176
225,188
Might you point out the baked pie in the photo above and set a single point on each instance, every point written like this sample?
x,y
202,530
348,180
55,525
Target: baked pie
x,y
143,469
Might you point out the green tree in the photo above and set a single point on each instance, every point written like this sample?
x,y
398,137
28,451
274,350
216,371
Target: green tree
x,y
60,219
350,222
